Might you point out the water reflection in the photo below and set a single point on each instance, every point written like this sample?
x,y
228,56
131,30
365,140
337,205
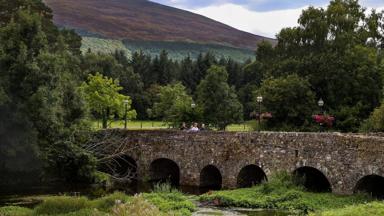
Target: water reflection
x,y
264,212
239,212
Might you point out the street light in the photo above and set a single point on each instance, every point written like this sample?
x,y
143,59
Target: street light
x,y
125,113
321,105
259,100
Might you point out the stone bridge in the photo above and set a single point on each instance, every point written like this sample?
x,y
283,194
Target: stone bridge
x,y
341,163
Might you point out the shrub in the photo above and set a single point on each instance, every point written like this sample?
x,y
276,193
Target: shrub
x,y
62,205
137,207
106,203
15,211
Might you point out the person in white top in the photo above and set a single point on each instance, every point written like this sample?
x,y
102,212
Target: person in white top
x,y
194,128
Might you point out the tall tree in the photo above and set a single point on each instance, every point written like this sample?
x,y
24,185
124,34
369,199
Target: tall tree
x,y
219,101
39,78
141,65
174,105
103,97
335,49
289,99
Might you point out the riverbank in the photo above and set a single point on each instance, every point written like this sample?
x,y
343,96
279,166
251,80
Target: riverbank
x,y
162,202
280,193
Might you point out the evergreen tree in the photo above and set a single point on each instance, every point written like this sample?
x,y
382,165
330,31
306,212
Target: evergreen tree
x,y
219,102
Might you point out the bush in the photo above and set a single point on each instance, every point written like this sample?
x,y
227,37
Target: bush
x,y
137,207
62,205
375,123
15,211
106,203
370,209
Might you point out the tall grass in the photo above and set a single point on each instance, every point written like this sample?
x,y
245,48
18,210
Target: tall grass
x,y
369,209
282,192
62,205
166,201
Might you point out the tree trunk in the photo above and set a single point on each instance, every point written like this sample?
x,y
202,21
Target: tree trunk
x,y
105,119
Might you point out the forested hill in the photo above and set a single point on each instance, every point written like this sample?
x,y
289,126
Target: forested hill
x,y
144,21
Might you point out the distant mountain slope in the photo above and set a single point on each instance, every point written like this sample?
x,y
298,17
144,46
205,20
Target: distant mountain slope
x,y
143,20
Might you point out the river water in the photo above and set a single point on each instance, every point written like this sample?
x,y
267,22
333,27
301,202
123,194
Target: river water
x,y
23,196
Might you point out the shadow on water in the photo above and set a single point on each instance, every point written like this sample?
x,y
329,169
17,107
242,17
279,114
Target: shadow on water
x,y
264,212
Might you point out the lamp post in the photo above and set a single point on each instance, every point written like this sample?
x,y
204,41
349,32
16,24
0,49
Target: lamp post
x,y
259,101
125,113
321,105
193,106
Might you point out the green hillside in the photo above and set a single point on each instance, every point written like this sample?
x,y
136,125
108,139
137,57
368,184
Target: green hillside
x,y
176,50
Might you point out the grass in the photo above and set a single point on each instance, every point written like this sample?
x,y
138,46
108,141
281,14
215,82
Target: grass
x,y
134,125
15,211
282,193
156,125
168,202
368,209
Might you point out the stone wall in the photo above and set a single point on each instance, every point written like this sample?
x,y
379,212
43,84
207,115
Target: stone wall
x,y
342,158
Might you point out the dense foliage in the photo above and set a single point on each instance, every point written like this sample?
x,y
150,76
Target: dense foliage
x,y
174,105
337,50
218,100
102,94
290,99
41,109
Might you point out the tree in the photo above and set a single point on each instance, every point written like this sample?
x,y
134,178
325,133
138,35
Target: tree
x,y
140,64
336,50
187,74
41,108
174,105
219,102
164,69
289,99
375,122
103,97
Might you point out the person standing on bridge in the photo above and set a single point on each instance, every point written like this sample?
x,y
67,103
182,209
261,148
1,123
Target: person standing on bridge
x,y
194,128
183,126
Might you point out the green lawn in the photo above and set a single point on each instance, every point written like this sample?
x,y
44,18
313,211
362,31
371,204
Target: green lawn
x,y
134,125
155,125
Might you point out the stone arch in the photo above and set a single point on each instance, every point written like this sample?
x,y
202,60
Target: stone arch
x,y
124,167
371,184
210,178
312,179
164,170
250,175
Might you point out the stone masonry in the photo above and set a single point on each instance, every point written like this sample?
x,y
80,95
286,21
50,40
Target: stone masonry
x,y
343,158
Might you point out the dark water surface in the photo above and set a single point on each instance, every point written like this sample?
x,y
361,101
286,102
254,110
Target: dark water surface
x,y
265,213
